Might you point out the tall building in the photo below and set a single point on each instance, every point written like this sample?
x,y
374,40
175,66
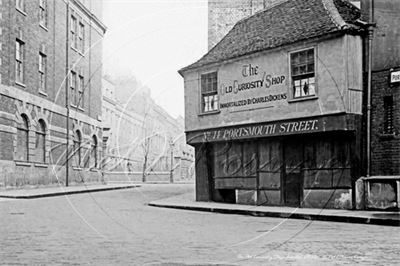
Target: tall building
x,y
383,183
50,69
274,109
223,14
144,143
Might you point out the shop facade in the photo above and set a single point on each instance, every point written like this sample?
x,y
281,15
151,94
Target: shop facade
x,y
278,122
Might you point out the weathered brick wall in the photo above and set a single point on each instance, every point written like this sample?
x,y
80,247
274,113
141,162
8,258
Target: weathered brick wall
x,y
25,98
223,14
385,149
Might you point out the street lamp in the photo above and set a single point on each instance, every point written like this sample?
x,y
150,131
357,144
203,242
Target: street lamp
x,y
171,174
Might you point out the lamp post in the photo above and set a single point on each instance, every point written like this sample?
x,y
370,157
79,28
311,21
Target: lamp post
x,y
171,174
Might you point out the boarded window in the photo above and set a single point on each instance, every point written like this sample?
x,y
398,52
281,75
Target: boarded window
x,y
270,164
327,163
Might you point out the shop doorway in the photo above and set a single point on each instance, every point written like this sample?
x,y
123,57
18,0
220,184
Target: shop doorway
x,y
293,174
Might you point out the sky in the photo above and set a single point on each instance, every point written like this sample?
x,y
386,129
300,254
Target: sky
x,y
152,40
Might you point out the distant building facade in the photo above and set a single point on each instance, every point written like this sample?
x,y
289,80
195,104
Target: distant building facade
x,y
274,110
51,52
223,15
144,143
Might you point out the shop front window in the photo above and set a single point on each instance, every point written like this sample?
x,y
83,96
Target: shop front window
x,y
209,93
303,73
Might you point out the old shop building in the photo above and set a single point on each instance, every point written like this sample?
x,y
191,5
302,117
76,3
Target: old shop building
x,y
49,48
274,109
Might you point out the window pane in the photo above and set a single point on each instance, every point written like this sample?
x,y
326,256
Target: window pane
x,y
310,55
22,144
40,147
310,68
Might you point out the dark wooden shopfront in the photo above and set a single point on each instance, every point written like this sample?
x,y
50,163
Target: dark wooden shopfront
x,y
280,171
314,169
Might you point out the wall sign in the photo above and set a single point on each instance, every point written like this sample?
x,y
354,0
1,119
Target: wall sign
x,y
288,127
395,76
251,86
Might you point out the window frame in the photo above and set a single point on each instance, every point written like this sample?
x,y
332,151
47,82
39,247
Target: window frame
x,y
73,88
77,148
24,127
73,30
19,61
294,78
94,151
43,15
80,91
81,37
42,72
388,115
208,93
41,133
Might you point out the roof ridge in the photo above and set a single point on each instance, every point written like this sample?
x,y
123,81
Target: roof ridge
x,y
334,14
347,3
268,8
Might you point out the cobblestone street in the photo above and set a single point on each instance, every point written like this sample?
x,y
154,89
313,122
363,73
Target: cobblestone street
x,y
118,228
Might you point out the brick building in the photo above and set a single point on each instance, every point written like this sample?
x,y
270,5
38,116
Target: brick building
x,y
50,65
382,187
274,109
144,142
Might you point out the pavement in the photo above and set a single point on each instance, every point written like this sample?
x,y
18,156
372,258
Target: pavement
x,y
32,193
187,202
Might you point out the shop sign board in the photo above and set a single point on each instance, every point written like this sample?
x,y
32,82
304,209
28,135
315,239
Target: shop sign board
x,y
395,76
250,85
279,128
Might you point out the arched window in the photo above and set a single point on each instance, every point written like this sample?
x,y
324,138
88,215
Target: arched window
x,y
77,148
93,152
41,142
23,139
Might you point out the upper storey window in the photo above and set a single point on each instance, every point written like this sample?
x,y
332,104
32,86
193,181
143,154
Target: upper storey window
x,y
74,26
19,61
302,65
81,38
209,93
43,13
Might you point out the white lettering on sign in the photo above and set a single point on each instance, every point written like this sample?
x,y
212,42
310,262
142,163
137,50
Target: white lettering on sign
x,y
395,77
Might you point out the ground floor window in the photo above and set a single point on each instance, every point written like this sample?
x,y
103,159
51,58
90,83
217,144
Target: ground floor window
x,y
22,153
41,142
280,169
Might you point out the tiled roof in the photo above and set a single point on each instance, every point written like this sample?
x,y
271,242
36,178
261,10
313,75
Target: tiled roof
x,y
285,23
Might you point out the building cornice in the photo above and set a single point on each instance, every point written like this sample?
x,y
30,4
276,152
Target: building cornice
x,y
90,15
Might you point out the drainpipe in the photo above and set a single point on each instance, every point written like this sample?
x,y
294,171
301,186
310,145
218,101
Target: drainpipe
x,y
370,38
67,96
